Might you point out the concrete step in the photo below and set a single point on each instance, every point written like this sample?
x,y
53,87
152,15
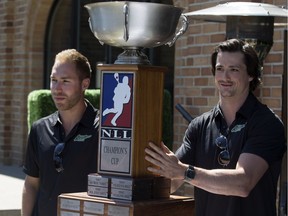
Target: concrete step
x,y
16,212
11,185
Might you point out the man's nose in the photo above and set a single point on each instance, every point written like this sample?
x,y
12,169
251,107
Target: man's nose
x,y
226,73
57,86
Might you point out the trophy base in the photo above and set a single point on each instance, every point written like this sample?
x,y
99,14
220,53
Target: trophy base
x,y
82,204
132,56
127,188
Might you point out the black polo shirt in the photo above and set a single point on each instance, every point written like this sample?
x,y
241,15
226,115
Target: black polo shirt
x,y
256,130
79,157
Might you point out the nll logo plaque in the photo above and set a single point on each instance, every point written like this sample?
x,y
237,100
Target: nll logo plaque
x,y
116,133
116,122
117,98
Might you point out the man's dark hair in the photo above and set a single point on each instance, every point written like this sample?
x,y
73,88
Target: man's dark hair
x,y
251,59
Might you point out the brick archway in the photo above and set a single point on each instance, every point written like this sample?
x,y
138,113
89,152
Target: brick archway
x,y
21,71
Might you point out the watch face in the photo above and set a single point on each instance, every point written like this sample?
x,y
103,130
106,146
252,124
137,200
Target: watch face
x,y
190,174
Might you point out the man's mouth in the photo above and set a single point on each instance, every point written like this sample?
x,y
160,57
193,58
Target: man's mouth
x,y
58,98
225,84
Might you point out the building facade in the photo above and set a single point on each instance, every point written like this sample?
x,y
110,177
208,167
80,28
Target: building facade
x,y
29,33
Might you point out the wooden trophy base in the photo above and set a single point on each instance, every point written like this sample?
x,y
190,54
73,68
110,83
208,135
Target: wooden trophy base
x,y
127,188
80,204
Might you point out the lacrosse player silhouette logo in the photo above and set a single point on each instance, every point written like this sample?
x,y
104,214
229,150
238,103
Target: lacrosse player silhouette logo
x,y
118,96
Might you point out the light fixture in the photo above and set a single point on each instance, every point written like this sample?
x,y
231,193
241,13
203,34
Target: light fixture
x,y
249,21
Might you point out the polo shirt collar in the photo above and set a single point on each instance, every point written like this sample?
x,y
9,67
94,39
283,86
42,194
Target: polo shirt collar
x,y
245,110
88,117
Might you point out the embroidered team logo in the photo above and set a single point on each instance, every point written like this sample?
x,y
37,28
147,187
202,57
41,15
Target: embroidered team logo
x,y
81,138
117,99
237,128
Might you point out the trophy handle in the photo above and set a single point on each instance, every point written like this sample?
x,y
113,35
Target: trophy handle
x,y
181,31
91,29
126,18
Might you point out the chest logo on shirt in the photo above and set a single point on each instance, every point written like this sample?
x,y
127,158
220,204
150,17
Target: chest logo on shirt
x,y
237,128
81,138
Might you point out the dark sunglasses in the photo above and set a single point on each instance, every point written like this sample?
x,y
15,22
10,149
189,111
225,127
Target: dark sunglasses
x,y
224,156
58,157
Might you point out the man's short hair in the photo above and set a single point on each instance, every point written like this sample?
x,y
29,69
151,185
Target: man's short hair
x,y
81,62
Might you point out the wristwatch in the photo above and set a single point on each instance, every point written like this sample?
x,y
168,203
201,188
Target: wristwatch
x,y
189,173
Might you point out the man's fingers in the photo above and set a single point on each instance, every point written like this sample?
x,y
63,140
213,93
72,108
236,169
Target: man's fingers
x,y
153,161
157,149
165,148
156,170
152,153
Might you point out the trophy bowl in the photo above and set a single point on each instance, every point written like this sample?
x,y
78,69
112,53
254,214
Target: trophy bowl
x,y
135,25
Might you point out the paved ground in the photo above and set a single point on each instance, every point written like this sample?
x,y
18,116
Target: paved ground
x,y
11,183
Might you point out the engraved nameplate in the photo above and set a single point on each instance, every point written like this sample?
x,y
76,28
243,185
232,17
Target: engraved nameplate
x,y
66,213
70,204
97,191
125,184
115,156
92,207
98,181
118,210
121,194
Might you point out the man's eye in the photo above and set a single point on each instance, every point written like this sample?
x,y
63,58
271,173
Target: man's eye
x,y
218,68
234,69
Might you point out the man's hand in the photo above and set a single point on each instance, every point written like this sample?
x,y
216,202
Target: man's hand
x,y
167,164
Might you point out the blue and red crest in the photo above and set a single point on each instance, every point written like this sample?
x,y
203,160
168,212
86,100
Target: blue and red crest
x,y
117,99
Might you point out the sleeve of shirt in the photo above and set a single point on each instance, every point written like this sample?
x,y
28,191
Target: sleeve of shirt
x,y
31,163
186,151
266,137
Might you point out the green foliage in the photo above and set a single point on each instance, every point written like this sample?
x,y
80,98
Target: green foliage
x,y
40,104
93,95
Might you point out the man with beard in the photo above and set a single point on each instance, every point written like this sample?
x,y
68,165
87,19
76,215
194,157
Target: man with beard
x,y
62,147
231,154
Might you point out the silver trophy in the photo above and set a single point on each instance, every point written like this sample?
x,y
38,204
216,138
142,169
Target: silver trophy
x,y
134,26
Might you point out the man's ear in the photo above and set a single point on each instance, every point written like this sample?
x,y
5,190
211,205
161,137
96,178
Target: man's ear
x,y
85,84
